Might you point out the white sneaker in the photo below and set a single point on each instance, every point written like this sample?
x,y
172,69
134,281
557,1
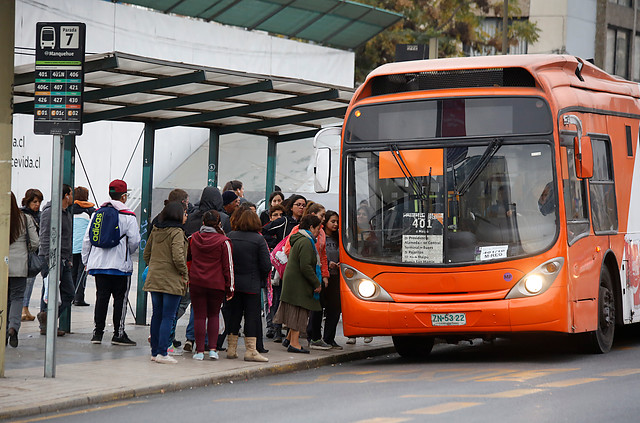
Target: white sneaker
x,y
153,357
351,341
198,356
368,339
213,354
165,359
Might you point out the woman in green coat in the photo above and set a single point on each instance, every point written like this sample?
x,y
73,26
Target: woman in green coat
x,y
166,255
301,283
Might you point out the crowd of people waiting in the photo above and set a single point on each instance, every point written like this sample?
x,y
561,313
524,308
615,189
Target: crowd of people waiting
x,y
218,255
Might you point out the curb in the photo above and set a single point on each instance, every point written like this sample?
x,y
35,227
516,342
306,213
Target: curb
x,y
225,377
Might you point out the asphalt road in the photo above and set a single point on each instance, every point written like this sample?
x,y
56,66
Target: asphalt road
x,y
535,379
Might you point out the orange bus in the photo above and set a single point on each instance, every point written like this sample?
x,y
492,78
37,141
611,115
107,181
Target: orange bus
x,y
488,196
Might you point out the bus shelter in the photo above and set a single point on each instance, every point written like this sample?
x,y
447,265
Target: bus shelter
x,y
163,94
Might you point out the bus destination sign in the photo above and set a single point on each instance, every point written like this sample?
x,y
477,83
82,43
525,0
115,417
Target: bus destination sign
x,y
59,78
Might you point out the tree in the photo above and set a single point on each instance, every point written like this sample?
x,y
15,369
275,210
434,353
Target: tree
x,y
456,23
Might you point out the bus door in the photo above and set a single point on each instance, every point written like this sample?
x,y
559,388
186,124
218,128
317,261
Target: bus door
x,y
583,258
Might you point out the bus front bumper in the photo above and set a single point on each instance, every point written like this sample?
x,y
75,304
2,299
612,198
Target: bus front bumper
x,y
548,312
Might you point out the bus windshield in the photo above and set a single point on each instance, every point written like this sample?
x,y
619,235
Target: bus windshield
x,y
407,206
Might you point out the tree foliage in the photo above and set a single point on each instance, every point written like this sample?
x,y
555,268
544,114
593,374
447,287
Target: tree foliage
x,y
456,23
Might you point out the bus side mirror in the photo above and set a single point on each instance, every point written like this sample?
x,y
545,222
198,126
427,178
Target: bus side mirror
x,y
322,170
583,157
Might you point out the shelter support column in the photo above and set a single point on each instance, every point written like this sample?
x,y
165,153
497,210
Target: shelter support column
x,y
271,168
145,212
68,177
7,29
214,154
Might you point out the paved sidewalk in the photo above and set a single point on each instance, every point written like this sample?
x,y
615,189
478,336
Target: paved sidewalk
x,y
90,374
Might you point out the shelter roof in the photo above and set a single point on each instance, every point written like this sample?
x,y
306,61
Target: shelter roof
x,y
126,87
339,23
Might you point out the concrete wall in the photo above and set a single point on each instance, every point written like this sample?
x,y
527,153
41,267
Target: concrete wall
x,y
566,26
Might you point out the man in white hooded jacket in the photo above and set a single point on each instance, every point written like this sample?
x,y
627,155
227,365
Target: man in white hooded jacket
x,y
112,268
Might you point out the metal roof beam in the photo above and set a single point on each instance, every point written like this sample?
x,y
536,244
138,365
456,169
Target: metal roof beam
x,y
178,101
140,87
271,15
251,108
106,63
296,136
302,117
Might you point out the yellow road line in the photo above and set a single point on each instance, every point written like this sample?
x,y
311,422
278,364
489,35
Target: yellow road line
x,y
621,372
514,393
262,398
569,382
75,413
443,408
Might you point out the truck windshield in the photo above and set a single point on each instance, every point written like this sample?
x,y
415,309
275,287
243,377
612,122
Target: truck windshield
x,y
508,210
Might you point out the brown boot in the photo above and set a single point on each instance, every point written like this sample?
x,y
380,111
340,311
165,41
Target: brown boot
x,y
232,346
252,353
26,315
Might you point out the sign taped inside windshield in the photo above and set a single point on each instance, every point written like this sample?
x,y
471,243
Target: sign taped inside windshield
x,y
418,246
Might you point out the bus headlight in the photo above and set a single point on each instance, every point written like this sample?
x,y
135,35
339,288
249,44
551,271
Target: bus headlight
x,y
363,286
366,288
538,280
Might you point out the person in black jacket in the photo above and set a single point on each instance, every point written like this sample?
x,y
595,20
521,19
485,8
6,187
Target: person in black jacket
x,y
251,265
66,256
279,229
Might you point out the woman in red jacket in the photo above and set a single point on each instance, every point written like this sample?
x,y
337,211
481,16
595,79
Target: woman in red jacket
x,y
210,278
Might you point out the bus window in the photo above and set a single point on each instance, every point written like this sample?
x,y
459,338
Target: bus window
x,y
604,211
498,217
575,196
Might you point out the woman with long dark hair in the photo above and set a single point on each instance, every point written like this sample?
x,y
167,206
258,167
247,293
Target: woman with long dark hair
x,y
19,228
330,294
211,279
31,208
279,229
251,265
302,279
167,278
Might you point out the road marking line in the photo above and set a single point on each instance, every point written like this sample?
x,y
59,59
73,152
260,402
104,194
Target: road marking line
x,y
442,408
515,393
523,376
384,420
262,398
569,382
621,372
74,413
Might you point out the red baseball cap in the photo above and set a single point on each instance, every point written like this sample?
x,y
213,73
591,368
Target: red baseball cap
x,y
118,186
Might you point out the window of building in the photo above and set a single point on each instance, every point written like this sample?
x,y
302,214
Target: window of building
x,y
628,3
617,53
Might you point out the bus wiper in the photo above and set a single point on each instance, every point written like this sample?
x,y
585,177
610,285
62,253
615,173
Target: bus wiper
x,y
395,152
488,154
415,186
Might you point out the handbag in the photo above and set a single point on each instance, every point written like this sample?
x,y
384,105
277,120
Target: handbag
x,y
35,263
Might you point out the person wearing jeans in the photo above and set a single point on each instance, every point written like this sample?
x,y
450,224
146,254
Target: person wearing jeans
x,y
164,308
167,278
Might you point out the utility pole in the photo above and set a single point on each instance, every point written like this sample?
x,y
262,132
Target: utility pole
x,y
505,28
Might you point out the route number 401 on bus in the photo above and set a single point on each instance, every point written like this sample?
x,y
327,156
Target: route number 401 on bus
x,y
487,196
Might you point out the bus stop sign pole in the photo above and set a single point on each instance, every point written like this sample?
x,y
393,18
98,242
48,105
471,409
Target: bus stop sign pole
x,y
57,111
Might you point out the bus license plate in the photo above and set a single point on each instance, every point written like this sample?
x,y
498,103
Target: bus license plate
x,y
448,319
